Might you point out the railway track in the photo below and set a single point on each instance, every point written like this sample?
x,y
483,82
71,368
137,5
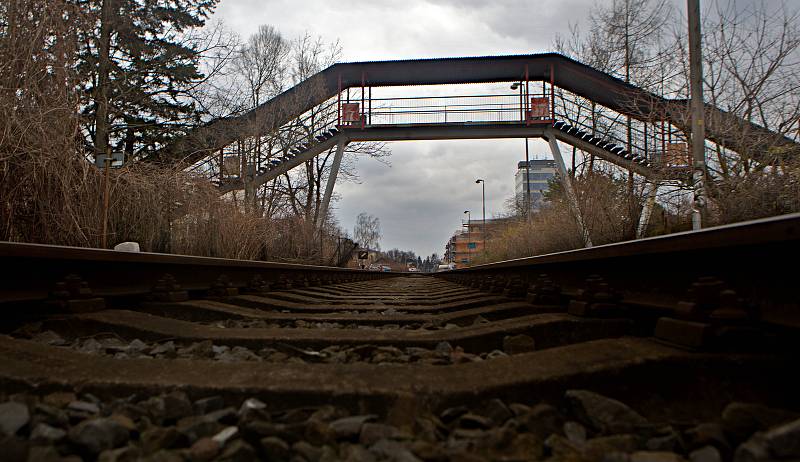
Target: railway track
x,y
675,348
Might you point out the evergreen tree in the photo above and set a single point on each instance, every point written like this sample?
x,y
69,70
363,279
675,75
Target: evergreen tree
x,y
140,59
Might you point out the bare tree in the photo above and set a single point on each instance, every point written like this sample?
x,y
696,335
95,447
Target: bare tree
x,y
367,231
751,54
305,186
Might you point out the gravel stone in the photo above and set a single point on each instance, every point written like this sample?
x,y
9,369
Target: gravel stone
x,y
596,448
350,427
318,432
604,414
137,345
670,442
356,453
43,413
443,348
393,451
176,406
197,427
210,404
91,346
497,411
740,420
166,349
156,438
275,448
542,419
13,416
49,337
98,435
204,449
519,408
165,455
428,429
707,434
307,451
43,433
373,432
450,414
575,432
705,454
126,454
124,420
252,403
559,446
84,406
226,434
60,399
42,454
227,416
784,441
494,354
470,421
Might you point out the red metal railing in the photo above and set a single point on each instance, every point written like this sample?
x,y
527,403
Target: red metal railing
x,y
509,108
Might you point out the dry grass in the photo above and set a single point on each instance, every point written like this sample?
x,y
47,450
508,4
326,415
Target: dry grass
x,y
51,193
609,210
766,193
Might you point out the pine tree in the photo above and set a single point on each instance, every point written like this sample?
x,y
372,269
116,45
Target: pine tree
x,y
140,59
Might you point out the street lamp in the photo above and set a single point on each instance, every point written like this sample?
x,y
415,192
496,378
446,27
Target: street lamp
x,y
483,189
469,238
514,86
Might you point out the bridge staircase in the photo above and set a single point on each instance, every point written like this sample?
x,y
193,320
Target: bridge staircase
x,y
654,149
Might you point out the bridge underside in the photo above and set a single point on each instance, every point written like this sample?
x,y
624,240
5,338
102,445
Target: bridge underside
x,y
596,113
451,131
559,71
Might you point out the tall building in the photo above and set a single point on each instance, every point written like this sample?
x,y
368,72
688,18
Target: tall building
x,y
540,172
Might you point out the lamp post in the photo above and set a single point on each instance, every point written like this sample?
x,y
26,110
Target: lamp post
x,y
514,86
469,238
483,203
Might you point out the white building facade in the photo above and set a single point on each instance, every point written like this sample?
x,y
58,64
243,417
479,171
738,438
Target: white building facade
x,y
539,173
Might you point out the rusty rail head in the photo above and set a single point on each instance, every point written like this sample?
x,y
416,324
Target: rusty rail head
x,y
757,259
32,271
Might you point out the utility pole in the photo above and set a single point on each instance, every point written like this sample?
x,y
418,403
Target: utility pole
x,y
698,127
106,197
527,182
103,79
483,202
469,238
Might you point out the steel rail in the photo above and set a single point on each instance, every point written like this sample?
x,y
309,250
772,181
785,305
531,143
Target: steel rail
x,y
33,270
755,259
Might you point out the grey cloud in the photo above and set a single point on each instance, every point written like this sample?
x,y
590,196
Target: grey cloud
x,y
421,198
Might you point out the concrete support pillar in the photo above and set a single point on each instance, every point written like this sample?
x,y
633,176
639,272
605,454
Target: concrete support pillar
x,y
326,199
647,211
566,182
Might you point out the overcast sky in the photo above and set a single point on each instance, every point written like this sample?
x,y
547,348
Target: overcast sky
x,y
421,197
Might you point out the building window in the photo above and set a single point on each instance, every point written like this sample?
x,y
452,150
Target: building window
x,y
540,176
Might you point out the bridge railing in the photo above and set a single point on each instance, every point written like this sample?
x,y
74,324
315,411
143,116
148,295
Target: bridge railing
x,y
658,142
256,155
444,109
